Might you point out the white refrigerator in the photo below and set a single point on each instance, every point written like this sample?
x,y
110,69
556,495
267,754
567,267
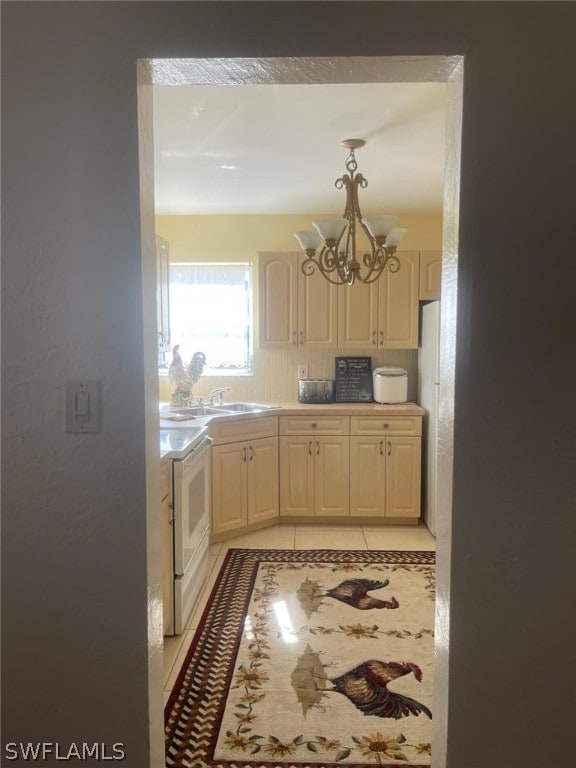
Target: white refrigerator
x,y
428,398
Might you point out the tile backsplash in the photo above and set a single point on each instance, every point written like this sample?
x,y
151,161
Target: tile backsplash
x,y
275,374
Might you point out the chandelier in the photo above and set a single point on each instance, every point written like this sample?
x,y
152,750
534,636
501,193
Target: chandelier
x,y
331,246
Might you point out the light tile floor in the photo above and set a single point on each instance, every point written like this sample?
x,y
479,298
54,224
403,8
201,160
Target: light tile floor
x,y
408,537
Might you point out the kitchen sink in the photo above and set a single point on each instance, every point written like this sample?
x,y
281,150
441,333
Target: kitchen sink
x,y
201,410
185,413
191,412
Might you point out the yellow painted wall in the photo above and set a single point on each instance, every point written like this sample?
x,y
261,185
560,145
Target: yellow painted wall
x,y
239,238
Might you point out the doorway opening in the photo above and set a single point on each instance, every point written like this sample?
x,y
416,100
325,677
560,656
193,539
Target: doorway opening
x,y
309,71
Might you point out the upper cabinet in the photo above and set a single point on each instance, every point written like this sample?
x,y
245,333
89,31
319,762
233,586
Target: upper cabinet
x,y
309,312
295,310
398,304
162,294
430,275
383,314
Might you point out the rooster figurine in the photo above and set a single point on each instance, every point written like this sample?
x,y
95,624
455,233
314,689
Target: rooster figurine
x,y
354,592
366,686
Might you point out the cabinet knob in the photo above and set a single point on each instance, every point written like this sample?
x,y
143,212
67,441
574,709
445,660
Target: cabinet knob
x,y
386,426
314,425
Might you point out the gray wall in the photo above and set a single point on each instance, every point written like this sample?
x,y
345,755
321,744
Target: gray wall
x,y
74,597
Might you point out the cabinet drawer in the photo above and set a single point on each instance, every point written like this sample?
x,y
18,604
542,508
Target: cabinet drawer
x,y
243,429
164,480
314,425
386,425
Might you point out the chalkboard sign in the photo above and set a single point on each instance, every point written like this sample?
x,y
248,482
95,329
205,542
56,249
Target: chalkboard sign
x,y
353,380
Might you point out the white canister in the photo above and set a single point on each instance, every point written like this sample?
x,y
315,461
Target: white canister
x,y
390,385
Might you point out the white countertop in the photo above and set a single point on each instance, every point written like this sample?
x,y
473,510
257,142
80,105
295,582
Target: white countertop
x,y
353,409
176,443
295,408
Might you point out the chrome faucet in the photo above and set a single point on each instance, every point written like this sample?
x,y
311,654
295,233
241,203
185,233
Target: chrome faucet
x,y
218,391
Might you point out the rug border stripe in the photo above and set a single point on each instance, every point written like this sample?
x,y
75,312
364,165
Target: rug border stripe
x,y
199,629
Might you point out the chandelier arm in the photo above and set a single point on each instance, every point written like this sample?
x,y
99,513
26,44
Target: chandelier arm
x,y
309,266
334,261
386,260
358,182
374,272
374,263
345,182
327,261
393,262
368,234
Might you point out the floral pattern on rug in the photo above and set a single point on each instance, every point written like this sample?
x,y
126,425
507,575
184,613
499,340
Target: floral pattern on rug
x,y
311,659
311,684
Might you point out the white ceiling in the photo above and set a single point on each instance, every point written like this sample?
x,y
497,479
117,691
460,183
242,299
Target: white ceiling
x,y
249,149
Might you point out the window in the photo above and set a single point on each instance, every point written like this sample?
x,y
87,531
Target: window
x,y
211,312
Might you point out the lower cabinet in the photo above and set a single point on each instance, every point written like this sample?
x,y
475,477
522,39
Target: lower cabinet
x,y
244,484
324,466
314,466
385,477
314,478
385,460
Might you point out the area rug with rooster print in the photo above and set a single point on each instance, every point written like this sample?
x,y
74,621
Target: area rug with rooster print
x,y
310,658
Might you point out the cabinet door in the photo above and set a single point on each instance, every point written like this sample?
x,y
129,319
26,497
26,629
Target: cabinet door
x,y
262,480
403,476
277,294
367,477
297,475
357,315
430,274
317,311
229,487
398,304
332,476
167,596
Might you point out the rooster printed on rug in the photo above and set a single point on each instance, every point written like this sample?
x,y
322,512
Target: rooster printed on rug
x,y
326,659
353,592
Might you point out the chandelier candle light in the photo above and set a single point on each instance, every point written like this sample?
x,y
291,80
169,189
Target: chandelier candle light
x,y
332,247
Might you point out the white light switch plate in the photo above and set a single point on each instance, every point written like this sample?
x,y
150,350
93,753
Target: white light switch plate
x,y
302,371
83,405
